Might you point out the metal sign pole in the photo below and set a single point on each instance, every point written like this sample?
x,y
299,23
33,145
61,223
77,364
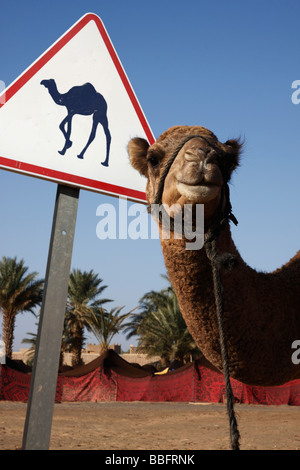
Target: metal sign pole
x,y
37,429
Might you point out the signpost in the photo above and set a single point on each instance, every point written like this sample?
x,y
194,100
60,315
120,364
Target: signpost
x,y
38,422
75,112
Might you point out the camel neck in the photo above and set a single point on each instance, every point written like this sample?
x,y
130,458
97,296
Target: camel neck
x,y
55,95
175,252
190,273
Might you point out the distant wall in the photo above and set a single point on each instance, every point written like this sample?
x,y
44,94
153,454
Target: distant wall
x,y
92,352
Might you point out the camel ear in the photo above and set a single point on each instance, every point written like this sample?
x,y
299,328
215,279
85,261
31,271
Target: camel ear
x,y
233,148
137,150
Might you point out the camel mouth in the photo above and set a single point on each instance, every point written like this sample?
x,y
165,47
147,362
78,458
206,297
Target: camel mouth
x,y
198,192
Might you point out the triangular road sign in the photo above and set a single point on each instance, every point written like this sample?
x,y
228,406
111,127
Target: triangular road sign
x,y
69,117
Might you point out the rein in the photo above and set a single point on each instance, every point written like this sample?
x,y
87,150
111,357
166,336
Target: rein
x,y
217,260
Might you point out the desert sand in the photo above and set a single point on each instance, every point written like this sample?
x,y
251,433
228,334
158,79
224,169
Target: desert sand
x,y
156,426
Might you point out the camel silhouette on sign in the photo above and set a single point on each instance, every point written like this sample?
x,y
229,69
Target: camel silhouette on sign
x,y
84,100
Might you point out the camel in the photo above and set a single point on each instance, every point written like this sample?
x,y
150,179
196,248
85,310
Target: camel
x,y
261,310
84,100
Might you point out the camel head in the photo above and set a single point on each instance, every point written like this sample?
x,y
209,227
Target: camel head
x,y
198,173
48,83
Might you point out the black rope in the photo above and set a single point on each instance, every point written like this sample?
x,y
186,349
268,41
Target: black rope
x,y
217,261
225,260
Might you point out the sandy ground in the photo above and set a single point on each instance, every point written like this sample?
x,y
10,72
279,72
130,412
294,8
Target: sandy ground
x,y
156,426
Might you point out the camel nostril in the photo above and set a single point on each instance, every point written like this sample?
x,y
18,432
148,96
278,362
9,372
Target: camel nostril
x,y
191,157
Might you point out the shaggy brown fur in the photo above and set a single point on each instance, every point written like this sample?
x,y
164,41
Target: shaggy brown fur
x,y
261,310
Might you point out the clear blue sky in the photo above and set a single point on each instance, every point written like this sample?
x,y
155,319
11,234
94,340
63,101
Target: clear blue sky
x,y
227,65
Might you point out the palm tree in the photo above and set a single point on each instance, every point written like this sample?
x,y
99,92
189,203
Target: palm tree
x,y
83,298
161,328
31,351
19,292
106,324
149,303
32,341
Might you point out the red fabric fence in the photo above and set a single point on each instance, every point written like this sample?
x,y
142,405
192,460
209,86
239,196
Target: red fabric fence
x,y
175,386
189,384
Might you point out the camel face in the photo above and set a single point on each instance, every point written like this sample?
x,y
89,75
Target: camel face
x,y
198,172
195,176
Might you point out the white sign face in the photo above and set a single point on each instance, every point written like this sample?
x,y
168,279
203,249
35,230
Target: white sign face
x,y
69,117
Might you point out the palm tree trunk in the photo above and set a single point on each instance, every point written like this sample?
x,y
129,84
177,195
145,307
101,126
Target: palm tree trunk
x,y
76,358
8,332
77,348
61,359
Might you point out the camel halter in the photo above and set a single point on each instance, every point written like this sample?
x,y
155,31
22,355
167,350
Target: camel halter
x,y
225,260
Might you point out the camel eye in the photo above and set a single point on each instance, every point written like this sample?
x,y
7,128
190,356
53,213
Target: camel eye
x,y
153,160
